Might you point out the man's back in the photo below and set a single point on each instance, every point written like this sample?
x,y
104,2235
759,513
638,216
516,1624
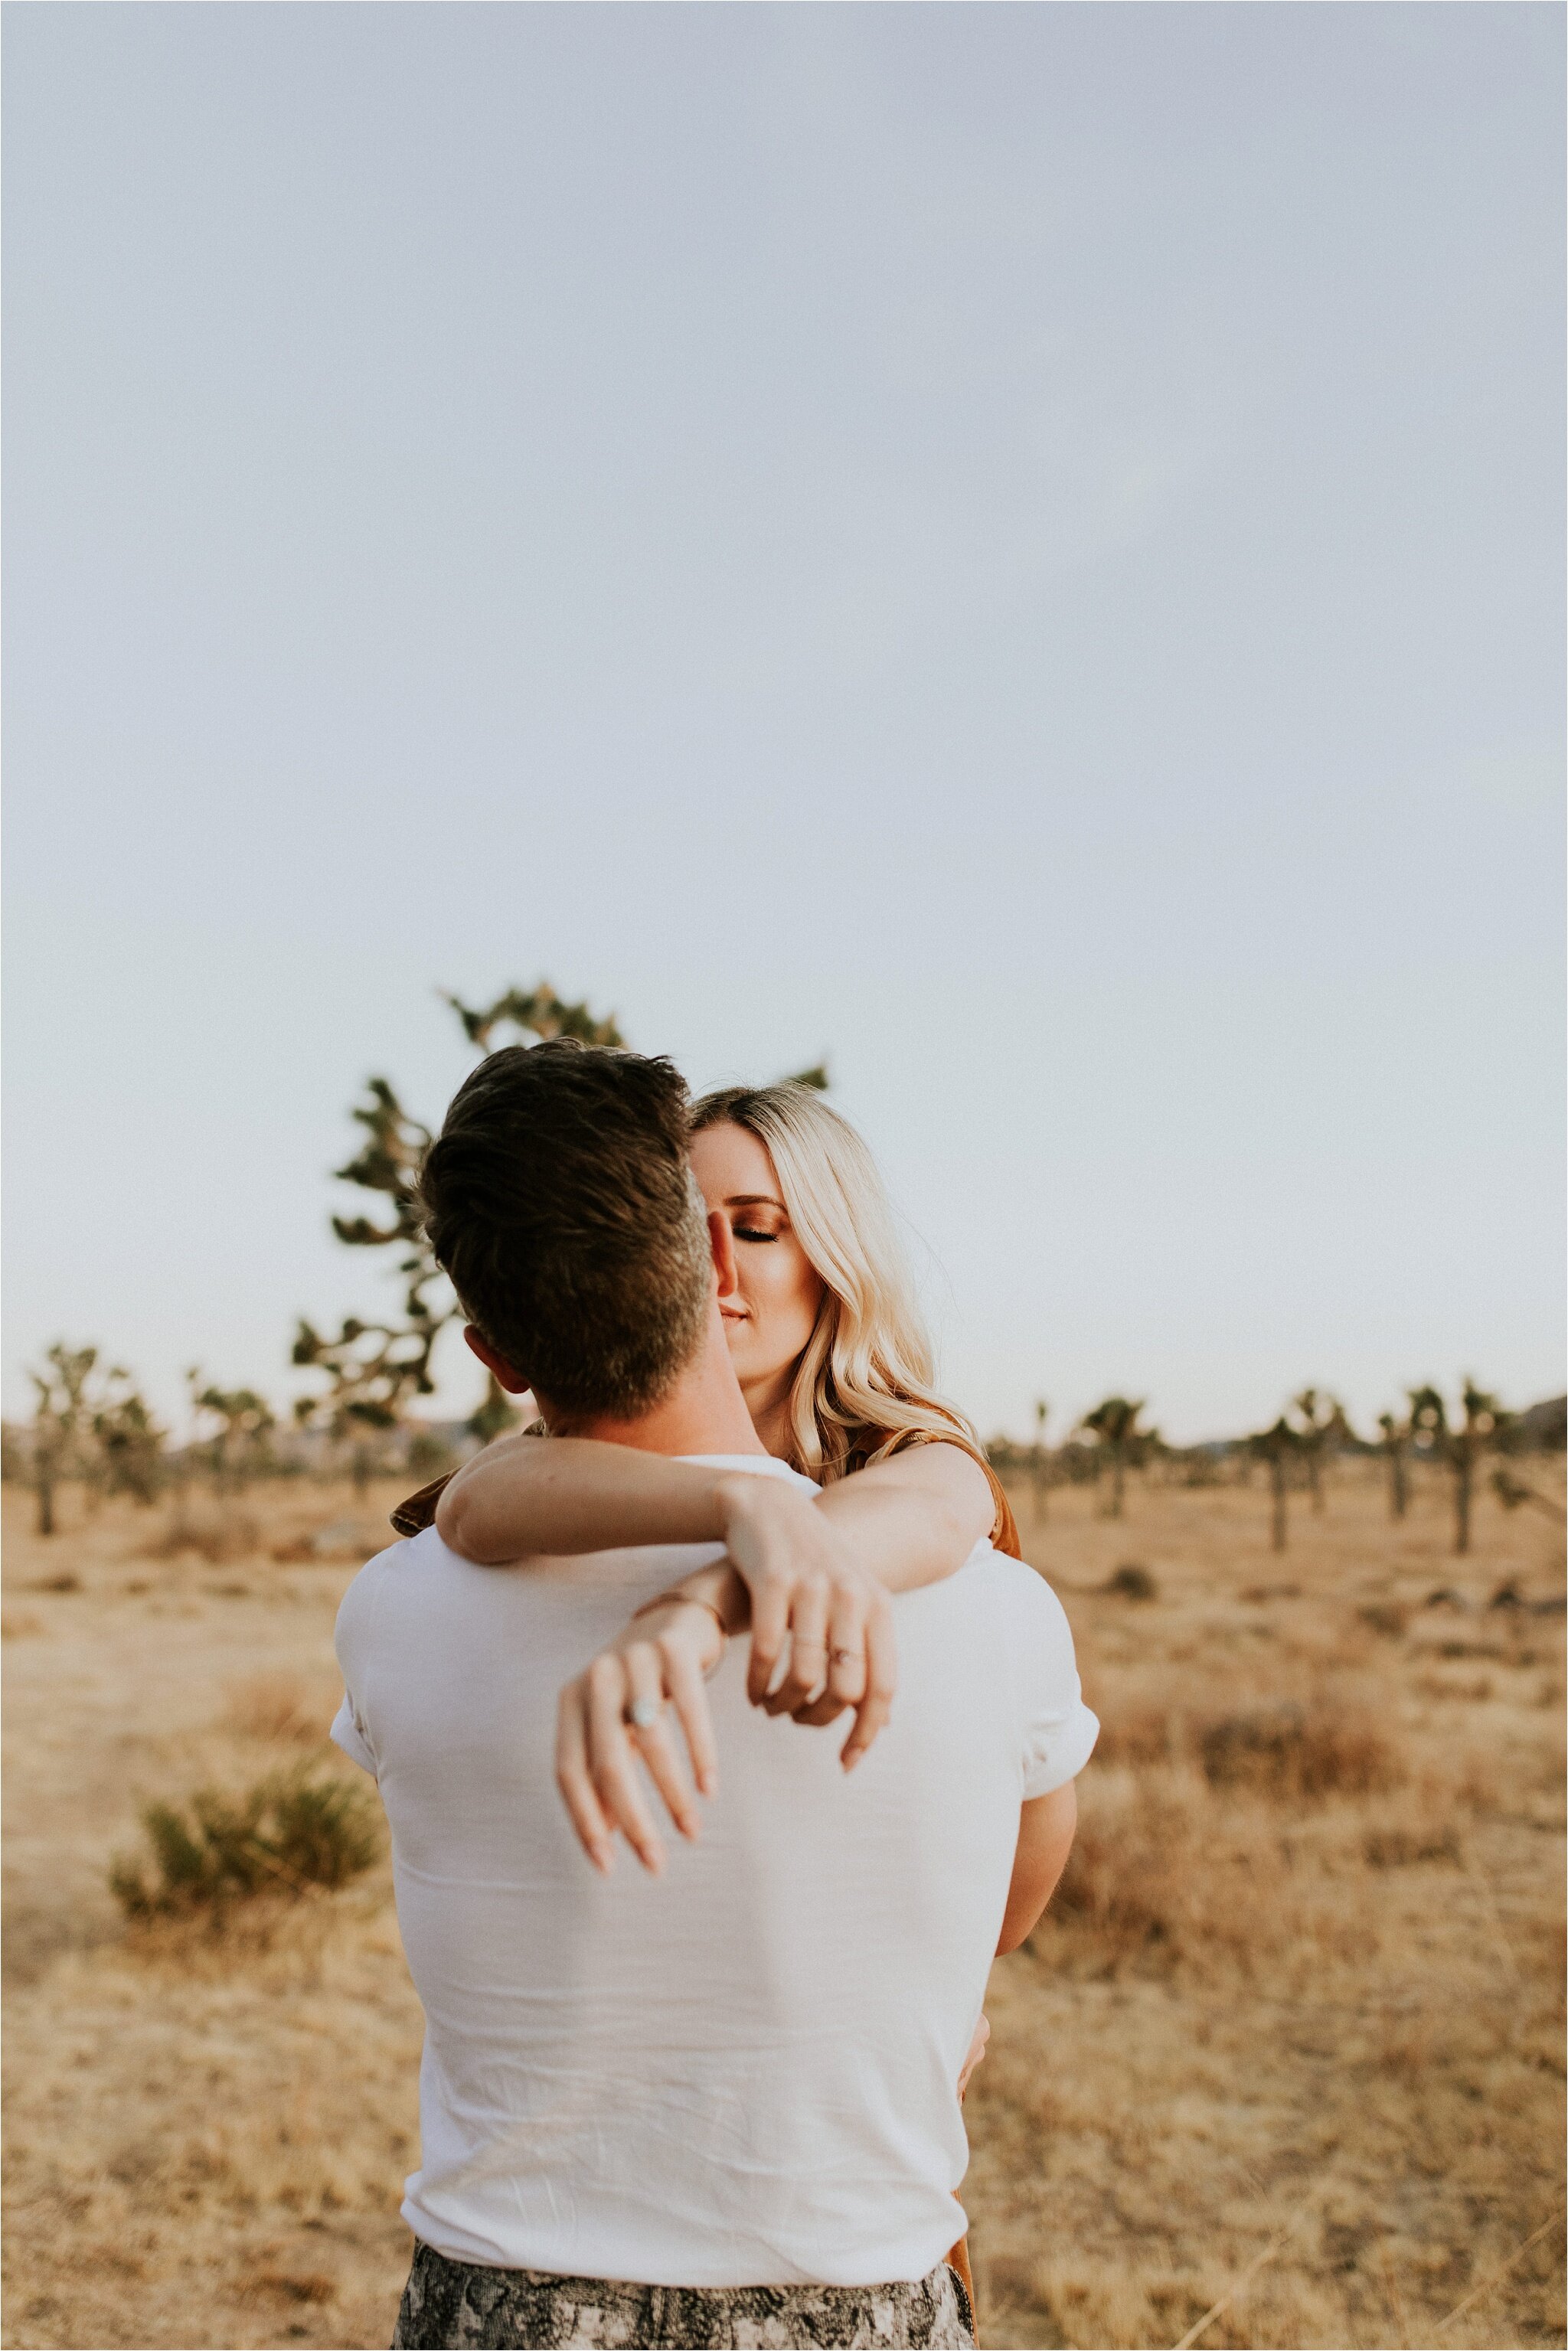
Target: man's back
x,y
744,2071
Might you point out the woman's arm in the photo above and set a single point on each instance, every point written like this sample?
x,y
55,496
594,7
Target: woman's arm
x,y
1047,1826
553,1497
913,1520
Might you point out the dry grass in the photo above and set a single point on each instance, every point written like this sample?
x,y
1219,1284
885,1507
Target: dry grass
x,y
1299,1997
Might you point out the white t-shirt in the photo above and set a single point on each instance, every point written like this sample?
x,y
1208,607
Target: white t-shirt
x,y
743,2071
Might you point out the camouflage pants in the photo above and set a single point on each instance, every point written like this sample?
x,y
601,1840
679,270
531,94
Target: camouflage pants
x,y
461,2307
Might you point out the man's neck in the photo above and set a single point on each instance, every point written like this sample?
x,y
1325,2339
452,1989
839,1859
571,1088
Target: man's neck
x,y
705,1412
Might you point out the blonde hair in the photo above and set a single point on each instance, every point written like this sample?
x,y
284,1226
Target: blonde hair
x,y
864,1386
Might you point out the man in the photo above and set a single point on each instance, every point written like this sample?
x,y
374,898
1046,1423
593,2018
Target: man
x,y
717,2104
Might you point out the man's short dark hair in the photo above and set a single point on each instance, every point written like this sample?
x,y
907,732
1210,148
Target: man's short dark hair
x,y
559,1197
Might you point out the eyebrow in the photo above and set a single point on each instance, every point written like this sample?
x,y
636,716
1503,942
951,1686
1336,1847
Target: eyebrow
x,y
755,1200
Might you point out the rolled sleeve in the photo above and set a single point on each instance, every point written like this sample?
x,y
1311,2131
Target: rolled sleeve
x,y
1058,1750
349,1733
1059,1730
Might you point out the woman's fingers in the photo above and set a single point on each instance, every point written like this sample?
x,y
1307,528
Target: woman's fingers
x,y
846,1665
807,1669
575,1781
688,1693
846,1645
613,1764
880,1679
977,2051
771,1596
645,1692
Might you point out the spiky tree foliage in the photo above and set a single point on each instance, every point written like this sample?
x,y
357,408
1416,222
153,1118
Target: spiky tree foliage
x,y
1277,1446
373,1369
1120,1441
1395,1435
539,1014
61,1420
1322,1427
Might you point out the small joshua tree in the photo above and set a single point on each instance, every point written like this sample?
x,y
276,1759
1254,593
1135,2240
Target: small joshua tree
x,y
1277,1446
128,1441
1038,1462
1120,1441
61,1421
1322,1427
1395,1435
1459,1445
237,1424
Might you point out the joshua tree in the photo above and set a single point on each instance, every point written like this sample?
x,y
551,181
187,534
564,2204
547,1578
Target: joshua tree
x,y
237,1447
1322,1425
375,1370
1395,1434
60,1421
129,1440
1485,1425
1275,1446
1119,1441
1039,1461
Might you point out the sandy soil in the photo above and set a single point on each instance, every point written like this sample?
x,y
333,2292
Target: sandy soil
x,y
1301,1997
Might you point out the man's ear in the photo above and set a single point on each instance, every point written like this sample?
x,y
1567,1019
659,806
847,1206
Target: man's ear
x,y
721,1240
509,1378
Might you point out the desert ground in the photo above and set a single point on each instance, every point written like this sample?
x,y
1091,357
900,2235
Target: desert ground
x,y
1289,2043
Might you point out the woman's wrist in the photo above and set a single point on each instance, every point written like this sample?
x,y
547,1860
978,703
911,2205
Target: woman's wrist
x,y
721,1589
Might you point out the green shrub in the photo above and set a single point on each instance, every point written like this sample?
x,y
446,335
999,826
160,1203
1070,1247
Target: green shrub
x,y
290,1832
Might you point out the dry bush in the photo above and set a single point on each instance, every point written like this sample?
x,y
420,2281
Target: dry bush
x,y
288,1834
1307,1753
218,1541
1294,1750
1161,1874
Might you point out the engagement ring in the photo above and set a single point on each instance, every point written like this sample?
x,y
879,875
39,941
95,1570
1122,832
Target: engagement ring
x,y
644,1713
845,1656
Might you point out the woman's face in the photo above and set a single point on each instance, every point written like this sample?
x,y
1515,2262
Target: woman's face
x,y
772,1311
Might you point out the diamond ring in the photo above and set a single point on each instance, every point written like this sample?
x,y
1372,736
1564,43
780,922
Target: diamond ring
x,y
846,1657
644,1713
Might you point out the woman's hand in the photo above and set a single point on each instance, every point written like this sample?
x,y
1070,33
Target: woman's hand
x,y
660,1660
977,2051
809,1589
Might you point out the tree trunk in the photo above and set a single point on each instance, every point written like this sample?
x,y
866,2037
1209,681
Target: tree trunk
x,y
1038,1481
1462,1501
1316,1479
44,1479
1277,1479
1399,1483
1118,1482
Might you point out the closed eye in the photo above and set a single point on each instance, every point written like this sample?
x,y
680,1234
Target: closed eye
x,y
752,1233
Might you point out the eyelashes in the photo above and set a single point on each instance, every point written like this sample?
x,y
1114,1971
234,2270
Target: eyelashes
x,y
749,1233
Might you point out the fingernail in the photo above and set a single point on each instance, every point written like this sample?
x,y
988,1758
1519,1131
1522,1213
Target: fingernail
x,y
601,1858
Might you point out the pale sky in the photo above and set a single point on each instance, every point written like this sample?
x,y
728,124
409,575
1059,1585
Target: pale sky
x,y
1018,546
